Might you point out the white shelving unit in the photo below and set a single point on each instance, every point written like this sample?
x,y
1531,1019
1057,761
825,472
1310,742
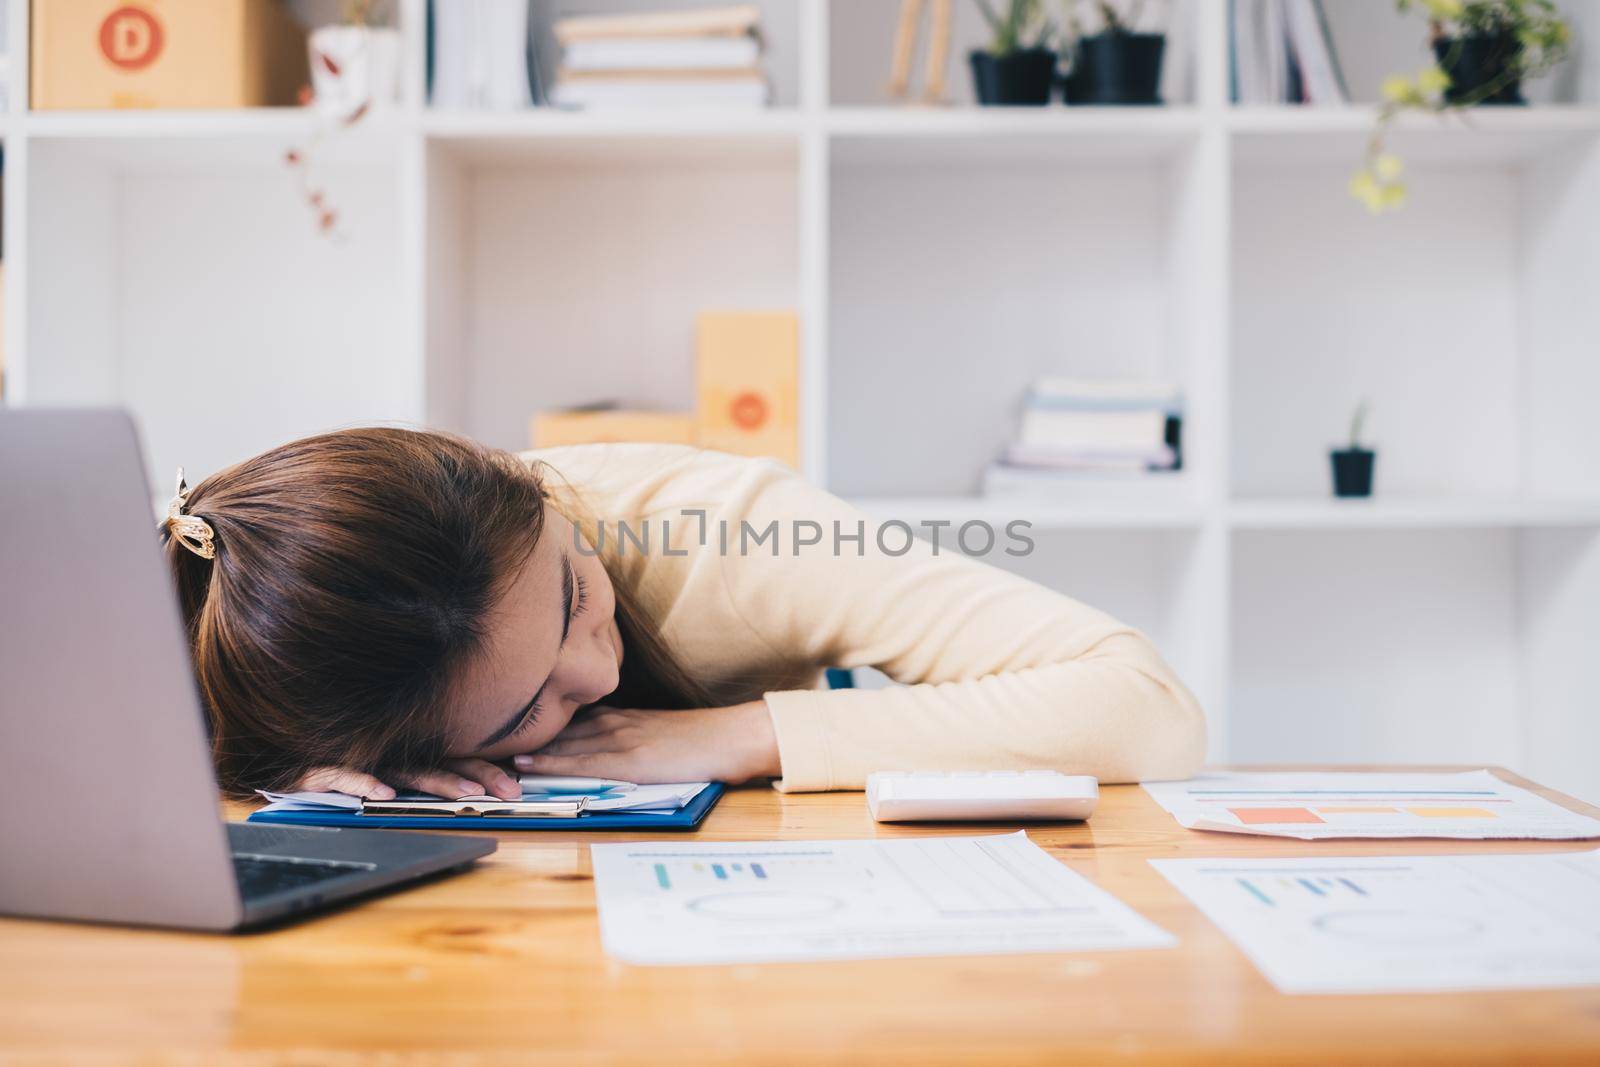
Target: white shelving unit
x,y
494,264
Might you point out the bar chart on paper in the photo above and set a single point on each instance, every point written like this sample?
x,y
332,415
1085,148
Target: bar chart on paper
x,y
1471,805
770,901
1405,924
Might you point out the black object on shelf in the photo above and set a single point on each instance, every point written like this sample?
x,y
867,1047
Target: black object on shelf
x,y
1476,62
1024,76
1352,471
1116,68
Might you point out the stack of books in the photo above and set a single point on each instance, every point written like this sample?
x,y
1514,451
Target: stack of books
x,y
1077,432
705,57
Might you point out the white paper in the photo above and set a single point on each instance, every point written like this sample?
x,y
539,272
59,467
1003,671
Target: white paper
x,y
1467,805
767,901
1389,924
645,799
310,801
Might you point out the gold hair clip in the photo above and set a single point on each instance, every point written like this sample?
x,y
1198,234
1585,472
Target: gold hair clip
x,y
194,532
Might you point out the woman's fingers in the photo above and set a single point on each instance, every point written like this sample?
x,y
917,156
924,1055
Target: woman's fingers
x,y
578,746
345,780
442,783
596,764
494,780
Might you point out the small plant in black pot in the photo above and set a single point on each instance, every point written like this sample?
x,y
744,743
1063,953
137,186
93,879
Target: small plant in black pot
x,y
1116,65
1352,466
1018,67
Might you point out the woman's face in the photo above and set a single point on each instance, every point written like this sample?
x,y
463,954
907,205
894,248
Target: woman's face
x,y
553,646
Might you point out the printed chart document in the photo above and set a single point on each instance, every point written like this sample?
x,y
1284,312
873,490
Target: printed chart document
x,y
766,901
1470,805
1388,924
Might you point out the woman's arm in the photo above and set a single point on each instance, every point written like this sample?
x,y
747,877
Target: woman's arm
x,y
1001,673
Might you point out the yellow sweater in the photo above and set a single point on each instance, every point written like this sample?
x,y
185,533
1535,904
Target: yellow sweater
x,y
1000,673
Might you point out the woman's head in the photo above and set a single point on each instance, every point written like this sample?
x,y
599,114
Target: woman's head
x,y
387,598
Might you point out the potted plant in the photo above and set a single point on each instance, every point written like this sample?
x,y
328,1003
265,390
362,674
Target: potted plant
x,y
1352,466
1484,50
1018,67
1117,64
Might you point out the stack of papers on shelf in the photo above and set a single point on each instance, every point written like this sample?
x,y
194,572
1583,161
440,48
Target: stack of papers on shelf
x,y
779,901
1469,805
644,799
706,57
1076,432
1405,924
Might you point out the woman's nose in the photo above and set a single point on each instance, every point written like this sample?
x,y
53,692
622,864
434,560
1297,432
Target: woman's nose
x,y
593,668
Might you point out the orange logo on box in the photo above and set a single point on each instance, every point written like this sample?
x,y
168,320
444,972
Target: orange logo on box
x,y
131,38
748,411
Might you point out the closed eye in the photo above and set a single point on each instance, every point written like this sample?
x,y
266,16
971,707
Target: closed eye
x,y
574,596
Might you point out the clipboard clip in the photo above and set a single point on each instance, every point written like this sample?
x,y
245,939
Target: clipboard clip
x,y
486,807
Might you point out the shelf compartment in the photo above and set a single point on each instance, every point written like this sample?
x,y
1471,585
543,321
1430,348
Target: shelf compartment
x,y
1403,643
569,270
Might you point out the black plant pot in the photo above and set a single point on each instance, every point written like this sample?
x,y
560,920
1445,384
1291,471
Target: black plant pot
x,y
1352,471
1021,77
1475,63
1116,68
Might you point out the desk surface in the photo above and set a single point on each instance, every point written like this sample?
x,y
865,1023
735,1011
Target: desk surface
x,y
504,964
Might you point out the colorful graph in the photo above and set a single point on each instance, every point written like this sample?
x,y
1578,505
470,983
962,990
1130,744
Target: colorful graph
x,y
1268,890
721,872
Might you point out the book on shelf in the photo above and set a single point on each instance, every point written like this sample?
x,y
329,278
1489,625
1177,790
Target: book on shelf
x,y
662,53
707,57
1087,434
481,55
1281,52
730,21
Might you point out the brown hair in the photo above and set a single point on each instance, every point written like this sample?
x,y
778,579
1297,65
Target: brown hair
x,y
353,576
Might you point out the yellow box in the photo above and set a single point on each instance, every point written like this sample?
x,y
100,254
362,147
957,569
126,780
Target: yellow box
x,y
747,364
165,54
549,429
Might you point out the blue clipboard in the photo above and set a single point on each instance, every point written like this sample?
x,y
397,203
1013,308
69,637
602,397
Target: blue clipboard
x,y
685,818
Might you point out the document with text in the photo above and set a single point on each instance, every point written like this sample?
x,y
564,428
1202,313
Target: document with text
x,y
767,901
1397,924
1467,805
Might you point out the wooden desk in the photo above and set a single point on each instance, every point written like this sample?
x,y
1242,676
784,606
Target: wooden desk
x,y
504,964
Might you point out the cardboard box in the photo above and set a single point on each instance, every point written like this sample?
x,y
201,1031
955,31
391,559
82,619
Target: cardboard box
x,y
550,429
748,370
165,54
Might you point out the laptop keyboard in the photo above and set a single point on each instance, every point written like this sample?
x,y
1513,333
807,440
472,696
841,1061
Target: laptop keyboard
x,y
260,875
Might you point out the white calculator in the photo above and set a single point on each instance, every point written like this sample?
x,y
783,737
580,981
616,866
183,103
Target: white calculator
x,y
989,796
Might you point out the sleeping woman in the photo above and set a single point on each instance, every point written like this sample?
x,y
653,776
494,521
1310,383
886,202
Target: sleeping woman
x,y
382,608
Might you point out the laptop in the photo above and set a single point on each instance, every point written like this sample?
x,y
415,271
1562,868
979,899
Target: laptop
x,y
108,803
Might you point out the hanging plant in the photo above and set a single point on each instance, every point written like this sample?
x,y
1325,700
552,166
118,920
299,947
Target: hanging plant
x,y
1483,50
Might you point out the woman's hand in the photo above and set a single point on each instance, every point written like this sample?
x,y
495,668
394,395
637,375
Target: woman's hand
x,y
733,744
457,778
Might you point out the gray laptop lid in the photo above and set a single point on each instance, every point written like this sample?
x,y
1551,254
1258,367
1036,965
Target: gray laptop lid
x,y
108,805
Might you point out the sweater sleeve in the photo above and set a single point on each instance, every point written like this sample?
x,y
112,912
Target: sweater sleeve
x,y
998,672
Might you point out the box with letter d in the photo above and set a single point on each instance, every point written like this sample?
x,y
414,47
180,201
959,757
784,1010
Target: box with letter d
x,y
165,54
